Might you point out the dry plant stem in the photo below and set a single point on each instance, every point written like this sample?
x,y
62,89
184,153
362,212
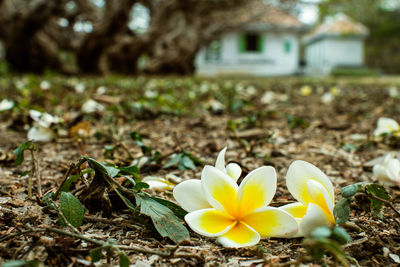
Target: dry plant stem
x,y
101,243
36,171
124,147
387,203
72,166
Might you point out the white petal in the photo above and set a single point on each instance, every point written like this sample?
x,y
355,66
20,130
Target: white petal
x,y
189,195
241,235
220,163
297,210
380,173
234,171
39,133
6,104
158,183
272,222
393,169
299,173
257,189
315,217
209,222
219,189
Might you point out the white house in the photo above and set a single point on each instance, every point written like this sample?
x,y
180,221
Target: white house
x,y
267,46
338,42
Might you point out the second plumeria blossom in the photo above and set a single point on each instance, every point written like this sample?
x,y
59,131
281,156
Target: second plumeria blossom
x,y
388,171
386,126
237,216
314,191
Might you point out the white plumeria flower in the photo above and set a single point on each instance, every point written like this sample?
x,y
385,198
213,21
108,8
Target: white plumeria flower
x,y
386,126
80,88
43,119
158,183
334,91
394,92
45,85
91,106
232,169
268,97
40,133
389,171
6,104
237,216
327,98
314,191
101,90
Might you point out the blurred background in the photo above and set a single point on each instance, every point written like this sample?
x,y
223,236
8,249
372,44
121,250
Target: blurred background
x,y
208,37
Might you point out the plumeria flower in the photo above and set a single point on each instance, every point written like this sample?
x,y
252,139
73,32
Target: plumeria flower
x,y
389,171
327,98
305,90
6,104
237,216
334,91
232,169
40,133
386,126
314,191
45,85
158,183
91,106
80,88
41,130
394,92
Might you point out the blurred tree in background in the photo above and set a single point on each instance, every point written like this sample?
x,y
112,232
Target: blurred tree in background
x,y
382,17
94,36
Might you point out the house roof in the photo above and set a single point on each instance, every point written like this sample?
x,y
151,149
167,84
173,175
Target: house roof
x,y
340,25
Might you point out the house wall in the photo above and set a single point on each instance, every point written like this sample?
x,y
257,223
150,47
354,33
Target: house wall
x,y
273,60
325,54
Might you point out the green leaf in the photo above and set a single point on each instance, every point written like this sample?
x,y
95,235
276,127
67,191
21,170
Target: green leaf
x,y
376,205
96,254
164,220
19,152
140,185
15,263
97,166
341,211
24,173
351,190
321,232
72,209
177,210
340,235
123,260
174,161
71,180
112,172
130,170
187,163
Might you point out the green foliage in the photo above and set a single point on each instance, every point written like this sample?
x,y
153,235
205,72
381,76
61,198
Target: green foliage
x,y
20,263
72,209
97,253
355,71
19,152
184,160
324,240
296,122
374,197
164,220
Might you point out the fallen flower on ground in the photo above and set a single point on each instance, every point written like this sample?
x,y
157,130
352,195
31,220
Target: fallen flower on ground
x,y
158,183
91,106
314,191
237,216
389,171
6,104
41,130
386,126
232,169
305,90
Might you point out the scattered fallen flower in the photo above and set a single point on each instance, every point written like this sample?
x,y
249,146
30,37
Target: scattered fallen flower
x,y
101,90
386,126
40,133
327,98
45,85
394,92
237,216
314,191
305,90
158,183
91,106
334,91
6,104
388,171
268,97
80,88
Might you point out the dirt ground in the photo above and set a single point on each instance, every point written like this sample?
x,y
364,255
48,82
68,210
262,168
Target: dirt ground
x,y
201,117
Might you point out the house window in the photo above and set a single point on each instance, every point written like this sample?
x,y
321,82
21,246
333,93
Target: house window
x,y
287,46
213,51
251,42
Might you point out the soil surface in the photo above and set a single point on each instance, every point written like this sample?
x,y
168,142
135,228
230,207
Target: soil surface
x,y
201,117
